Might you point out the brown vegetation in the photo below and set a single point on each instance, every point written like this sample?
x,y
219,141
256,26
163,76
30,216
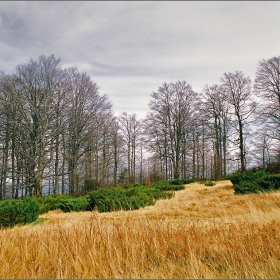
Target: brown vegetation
x,y
203,232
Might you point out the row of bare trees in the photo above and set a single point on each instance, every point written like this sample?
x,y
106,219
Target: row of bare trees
x,y
59,135
227,127
53,122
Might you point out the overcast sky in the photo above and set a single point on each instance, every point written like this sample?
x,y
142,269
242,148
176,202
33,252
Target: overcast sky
x,y
131,48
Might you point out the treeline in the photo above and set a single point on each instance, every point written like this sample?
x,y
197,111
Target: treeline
x,y
58,134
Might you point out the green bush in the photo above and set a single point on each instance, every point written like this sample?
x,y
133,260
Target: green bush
x,y
250,182
269,182
187,181
45,208
175,182
73,204
172,185
52,202
126,197
181,181
276,179
66,203
113,199
237,177
245,187
21,211
130,197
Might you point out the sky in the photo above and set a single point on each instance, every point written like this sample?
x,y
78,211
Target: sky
x,y
130,48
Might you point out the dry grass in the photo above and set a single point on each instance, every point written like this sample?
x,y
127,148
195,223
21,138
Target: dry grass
x,y
203,232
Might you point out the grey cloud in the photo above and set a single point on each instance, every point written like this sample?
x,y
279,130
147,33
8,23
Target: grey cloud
x,y
123,44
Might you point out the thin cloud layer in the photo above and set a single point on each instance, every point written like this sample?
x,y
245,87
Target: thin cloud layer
x,y
130,48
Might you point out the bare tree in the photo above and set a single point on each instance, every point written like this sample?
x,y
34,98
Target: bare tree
x,y
237,89
215,109
34,85
85,109
267,87
55,127
8,109
130,127
172,107
117,144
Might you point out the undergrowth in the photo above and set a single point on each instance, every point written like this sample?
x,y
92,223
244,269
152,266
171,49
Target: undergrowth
x,y
126,197
254,182
21,211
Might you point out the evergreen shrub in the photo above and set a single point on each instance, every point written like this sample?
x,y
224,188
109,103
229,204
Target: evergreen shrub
x,y
18,211
172,185
254,182
117,198
181,181
269,182
66,203
245,187
73,204
237,177
52,202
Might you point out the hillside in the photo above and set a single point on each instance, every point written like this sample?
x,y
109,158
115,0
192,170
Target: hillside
x,y
202,232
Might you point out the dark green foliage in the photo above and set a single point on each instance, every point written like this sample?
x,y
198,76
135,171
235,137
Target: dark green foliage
x,y
269,182
167,187
254,182
13,212
66,203
45,208
51,202
181,181
171,185
113,199
237,177
128,197
133,196
73,204
187,181
245,187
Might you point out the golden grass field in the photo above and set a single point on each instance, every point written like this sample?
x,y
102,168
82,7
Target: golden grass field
x,y
203,232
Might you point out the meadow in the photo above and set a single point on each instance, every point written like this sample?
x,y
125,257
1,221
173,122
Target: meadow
x,y
202,232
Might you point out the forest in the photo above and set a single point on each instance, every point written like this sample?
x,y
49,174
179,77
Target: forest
x,y
59,135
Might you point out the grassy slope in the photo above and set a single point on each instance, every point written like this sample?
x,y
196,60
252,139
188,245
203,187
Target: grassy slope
x,y
203,232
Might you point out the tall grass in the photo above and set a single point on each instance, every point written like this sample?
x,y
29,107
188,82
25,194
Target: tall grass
x,y
203,232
